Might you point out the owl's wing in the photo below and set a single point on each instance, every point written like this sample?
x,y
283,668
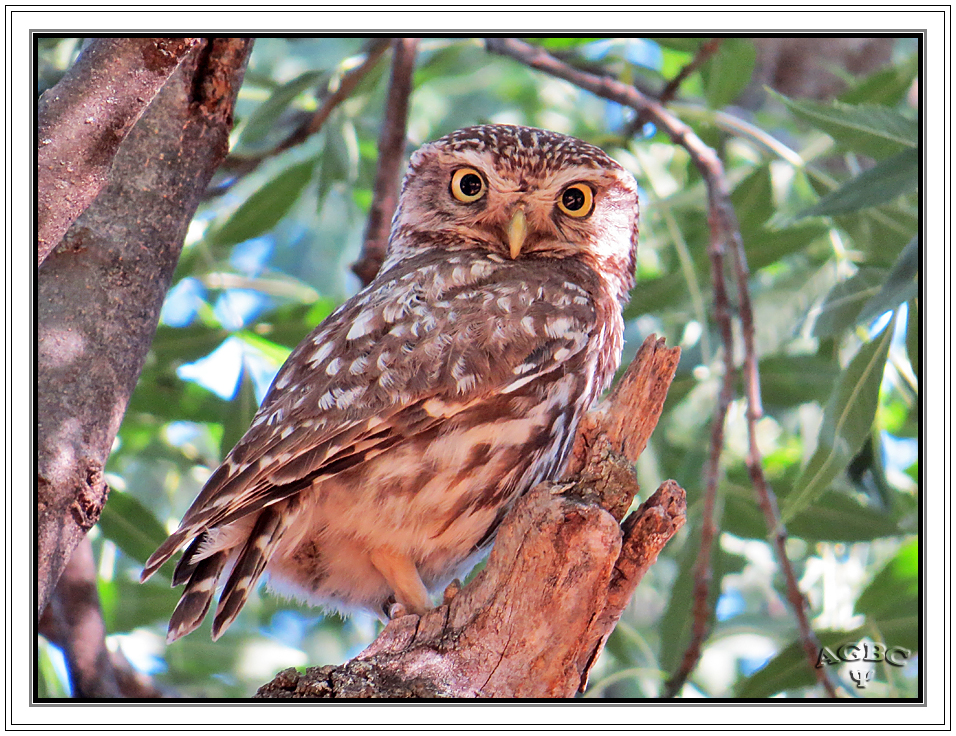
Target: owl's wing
x,y
392,363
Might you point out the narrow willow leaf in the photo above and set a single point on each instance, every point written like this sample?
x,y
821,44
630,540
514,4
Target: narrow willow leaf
x,y
889,179
753,200
265,207
888,86
900,575
790,380
677,620
728,72
765,246
240,412
847,421
131,526
789,669
870,129
273,351
891,601
839,517
843,305
900,285
256,131
137,605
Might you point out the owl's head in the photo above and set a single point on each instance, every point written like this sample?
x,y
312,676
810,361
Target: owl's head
x,y
521,193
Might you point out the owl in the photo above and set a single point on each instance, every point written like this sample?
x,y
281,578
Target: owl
x,y
400,432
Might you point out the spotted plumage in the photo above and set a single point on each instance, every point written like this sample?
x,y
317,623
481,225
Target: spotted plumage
x,y
398,434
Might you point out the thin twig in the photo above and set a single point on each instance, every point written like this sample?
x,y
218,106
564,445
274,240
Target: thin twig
x,y
706,50
241,165
703,567
391,151
724,231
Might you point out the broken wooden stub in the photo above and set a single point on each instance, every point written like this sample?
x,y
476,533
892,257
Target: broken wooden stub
x,y
563,567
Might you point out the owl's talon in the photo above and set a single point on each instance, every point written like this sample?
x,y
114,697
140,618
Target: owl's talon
x,y
396,610
453,589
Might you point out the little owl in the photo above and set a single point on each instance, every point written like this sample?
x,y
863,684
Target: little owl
x,y
400,432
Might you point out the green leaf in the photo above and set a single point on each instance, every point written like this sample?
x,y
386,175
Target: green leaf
x,y
131,526
678,618
561,44
186,344
240,412
870,129
265,207
835,517
891,600
728,72
913,335
49,684
790,380
838,517
273,351
789,669
847,422
900,285
766,246
887,180
133,604
256,131
843,305
753,200
888,86
687,44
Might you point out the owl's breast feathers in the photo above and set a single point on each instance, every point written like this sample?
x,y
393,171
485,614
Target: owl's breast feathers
x,y
437,345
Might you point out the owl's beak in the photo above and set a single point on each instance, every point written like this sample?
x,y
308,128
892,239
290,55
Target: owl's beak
x,y
517,232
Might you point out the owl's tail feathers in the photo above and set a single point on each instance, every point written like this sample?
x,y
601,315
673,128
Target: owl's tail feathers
x,y
197,596
196,530
250,564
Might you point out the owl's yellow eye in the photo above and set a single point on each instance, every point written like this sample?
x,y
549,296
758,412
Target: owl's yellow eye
x,y
577,200
467,185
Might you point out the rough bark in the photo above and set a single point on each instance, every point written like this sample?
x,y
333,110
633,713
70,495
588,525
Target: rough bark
x,y
84,118
101,289
532,623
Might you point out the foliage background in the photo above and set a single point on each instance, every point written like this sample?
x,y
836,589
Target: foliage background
x,y
827,198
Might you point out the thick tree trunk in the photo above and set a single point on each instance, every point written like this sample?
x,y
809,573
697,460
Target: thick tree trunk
x,y
101,289
90,112
534,620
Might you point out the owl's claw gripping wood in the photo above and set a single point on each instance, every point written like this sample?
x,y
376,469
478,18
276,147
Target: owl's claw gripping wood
x,y
399,433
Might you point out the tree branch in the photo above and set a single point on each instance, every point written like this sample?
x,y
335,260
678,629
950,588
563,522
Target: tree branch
x,y
100,292
391,151
84,118
74,622
532,623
